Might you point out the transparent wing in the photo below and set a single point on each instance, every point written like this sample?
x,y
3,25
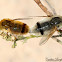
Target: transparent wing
x,y
45,39
39,16
22,18
39,3
51,7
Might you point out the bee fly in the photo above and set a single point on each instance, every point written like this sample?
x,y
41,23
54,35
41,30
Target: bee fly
x,y
14,27
47,28
49,25
13,30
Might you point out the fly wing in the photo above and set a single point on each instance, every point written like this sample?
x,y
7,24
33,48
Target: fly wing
x,y
22,18
51,7
39,3
39,16
45,39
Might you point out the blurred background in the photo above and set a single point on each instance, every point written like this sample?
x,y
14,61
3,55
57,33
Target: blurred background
x,y
30,51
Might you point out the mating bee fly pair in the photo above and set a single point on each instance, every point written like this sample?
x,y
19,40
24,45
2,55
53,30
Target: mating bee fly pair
x,y
44,28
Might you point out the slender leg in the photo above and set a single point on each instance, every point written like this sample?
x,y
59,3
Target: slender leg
x,y
57,36
7,34
14,40
59,41
48,13
14,45
54,12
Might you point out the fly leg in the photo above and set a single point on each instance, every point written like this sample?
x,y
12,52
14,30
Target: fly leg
x,y
55,38
7,35
48,13
4,35
14,39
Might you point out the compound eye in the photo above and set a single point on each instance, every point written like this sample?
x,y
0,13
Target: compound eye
x,y
6,23
3,23
38,25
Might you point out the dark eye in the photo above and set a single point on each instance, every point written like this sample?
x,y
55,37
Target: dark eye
x,y
3,23
6,23
38,25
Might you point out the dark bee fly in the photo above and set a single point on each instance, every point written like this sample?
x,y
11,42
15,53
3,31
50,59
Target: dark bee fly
x,y
47,28
49,25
